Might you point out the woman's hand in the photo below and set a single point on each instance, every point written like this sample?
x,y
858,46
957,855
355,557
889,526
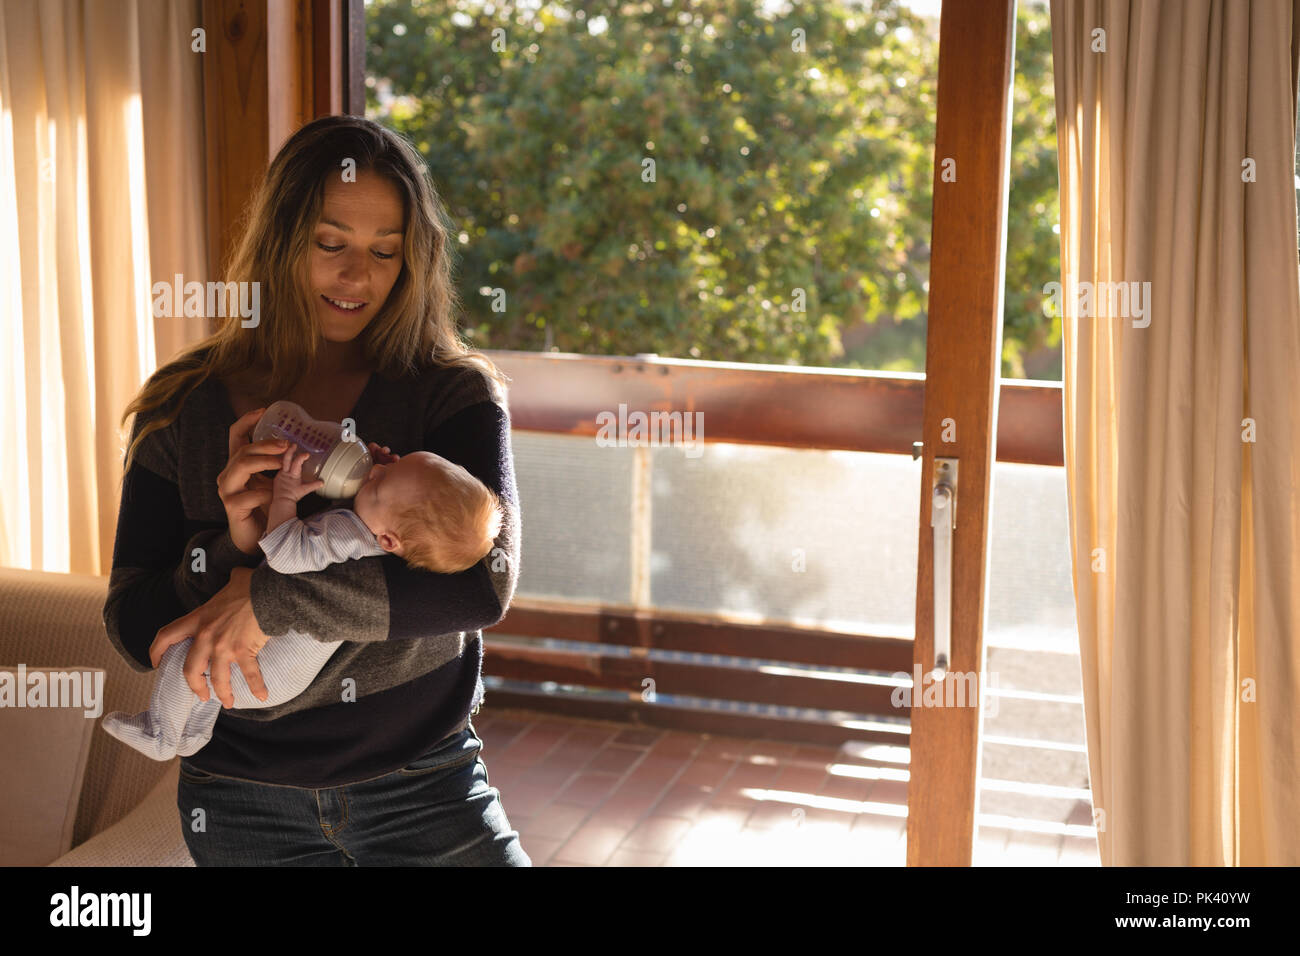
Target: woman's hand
x,y
225,630
245,494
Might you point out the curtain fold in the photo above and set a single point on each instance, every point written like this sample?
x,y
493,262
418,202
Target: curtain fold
x,y
1176,145
101,194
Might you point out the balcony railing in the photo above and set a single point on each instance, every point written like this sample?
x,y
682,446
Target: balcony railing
x,y
773,405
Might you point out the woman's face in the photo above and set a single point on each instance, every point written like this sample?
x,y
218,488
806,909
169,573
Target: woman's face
x,y
356,254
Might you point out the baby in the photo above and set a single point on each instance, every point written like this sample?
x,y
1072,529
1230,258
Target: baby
x,y
422,507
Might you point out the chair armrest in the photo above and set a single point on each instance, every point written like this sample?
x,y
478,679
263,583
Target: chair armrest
x,y
150,835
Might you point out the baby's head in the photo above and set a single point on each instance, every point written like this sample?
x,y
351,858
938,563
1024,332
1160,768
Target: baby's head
x,y
430,511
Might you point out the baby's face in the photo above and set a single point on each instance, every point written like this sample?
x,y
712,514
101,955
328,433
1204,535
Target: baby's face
x,y
390,487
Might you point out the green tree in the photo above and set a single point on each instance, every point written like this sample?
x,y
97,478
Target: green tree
x,y
788,199
1031,342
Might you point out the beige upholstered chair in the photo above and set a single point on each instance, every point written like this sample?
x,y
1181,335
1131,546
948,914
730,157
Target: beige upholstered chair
x,y
125,813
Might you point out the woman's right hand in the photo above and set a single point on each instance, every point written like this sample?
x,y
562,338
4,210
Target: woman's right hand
x,y
246,494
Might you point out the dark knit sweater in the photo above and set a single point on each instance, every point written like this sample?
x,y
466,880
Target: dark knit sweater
x,y
413,637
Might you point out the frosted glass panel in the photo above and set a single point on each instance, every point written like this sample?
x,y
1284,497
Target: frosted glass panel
x,y
575,503
728,529
730,525
1030,593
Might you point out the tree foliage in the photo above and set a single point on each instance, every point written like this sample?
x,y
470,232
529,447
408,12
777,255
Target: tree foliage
x,y
700,179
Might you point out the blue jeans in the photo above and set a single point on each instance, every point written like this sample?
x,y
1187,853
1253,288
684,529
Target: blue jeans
x,y
439,811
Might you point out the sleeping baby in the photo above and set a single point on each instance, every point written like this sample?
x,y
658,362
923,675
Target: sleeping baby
x,y
422,507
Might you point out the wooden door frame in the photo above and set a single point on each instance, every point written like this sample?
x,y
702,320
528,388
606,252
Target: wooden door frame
x,y
963,360
270,66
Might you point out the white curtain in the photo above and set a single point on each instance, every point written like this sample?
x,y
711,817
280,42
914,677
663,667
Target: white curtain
x,y
102,193
1176,140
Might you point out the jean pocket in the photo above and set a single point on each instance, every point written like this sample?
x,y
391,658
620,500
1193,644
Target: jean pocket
x,y
192,774
463,750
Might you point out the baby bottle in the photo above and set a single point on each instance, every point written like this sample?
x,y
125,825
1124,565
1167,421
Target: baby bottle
x,y
342,464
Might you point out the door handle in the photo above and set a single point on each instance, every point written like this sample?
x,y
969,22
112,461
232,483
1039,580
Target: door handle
x,y
943,519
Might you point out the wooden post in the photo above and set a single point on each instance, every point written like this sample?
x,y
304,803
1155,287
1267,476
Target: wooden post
x,y
964,337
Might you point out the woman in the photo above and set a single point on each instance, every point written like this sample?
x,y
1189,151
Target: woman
x,y
377,763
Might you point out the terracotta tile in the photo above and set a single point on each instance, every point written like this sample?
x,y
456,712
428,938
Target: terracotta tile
x,y
677,744
526,799
593,735
560,729
684,800
637,737
625,809
557,821
502,759
745,777
816,754
556,771
588,789
722,748
495,745
636,858
656,768
846,788
889,791
709,771
539,849
615,759
658,834
570,755
777,749
502,727
593,844
800,778
531,746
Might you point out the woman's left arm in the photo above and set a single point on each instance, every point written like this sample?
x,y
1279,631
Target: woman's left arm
x,y
381,598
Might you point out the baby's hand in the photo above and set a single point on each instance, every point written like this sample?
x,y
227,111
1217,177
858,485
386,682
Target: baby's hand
x,y
382,456
289,482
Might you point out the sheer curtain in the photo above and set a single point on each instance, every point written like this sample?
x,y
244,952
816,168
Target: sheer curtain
x,y
1176,125
101,194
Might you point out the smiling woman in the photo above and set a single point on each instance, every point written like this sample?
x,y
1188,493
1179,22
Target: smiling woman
x,y
359,321
357,255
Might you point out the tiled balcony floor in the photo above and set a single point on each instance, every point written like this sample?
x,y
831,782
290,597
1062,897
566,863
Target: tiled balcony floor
x,y
597,793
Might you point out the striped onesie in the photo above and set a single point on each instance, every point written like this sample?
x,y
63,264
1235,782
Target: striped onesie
x,y
177,722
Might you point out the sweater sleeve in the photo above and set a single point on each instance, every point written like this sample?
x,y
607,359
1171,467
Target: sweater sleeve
x,y
158,573
382,598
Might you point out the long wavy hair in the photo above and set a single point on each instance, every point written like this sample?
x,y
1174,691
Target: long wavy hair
x,y
417,326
